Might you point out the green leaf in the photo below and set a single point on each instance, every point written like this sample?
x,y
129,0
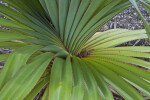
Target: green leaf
x,y
120,40
86,23
3,57
98,36
81,10
4,36
138,82
10,2
33,24
91,89
42,82
44,28
99,15
64,28
90,12
63,6
107,36
15,61
52,48
119,84
123,53
61,79
8,11
96,27
0,70
70,18
62,54
78,80
26,78
132,68
104,90
34,34
129,48
6,22
124,59
53,12
44,5
12,45
37,41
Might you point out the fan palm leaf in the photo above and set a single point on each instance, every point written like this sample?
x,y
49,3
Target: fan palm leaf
x,y
57,47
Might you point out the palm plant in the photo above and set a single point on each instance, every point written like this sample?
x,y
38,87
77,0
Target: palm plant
x,y
57,48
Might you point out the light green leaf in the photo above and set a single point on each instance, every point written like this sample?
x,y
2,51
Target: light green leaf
x,y
104,37
123,53
3,57
120,40
61,79
15,61
120,85
26,78
78,80
42,82
91,89
104,90
129,48
137,81
124,59
132,68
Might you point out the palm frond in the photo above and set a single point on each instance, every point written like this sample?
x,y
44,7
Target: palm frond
x,y
58,48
